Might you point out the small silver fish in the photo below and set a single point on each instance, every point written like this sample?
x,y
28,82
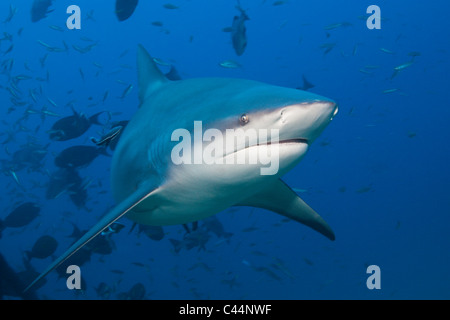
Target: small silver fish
x,y
229,64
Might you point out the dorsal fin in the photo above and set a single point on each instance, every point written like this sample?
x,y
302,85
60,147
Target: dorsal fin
x,y
150,78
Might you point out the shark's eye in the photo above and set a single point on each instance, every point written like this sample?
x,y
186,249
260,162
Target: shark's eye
x,y
244,119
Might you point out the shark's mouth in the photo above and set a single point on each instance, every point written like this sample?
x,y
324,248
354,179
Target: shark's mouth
x,y
297,140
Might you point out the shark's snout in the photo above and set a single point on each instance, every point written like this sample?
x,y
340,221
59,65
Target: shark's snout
x,y
335,112
306,120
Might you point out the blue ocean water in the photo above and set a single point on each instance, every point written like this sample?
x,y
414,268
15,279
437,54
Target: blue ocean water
x,y
378,174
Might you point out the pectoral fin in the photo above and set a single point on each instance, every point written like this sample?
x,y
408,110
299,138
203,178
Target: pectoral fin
x,y
116,213
280,198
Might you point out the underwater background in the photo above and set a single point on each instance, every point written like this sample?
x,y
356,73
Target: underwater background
x,y
379,173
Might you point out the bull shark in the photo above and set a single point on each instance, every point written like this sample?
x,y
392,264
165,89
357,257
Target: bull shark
x,y
149,188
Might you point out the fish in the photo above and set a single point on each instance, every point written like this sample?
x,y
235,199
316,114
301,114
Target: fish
x,y
78,193
84,49
155,233
364,189
279,3
12,13
43,248
29,156
327,47
21,216
90,15
150,189
173,74
73,126
197,238
127,91
238,32
386,51
403,66
78,156
103,290
170,6
61,181
40,9
230,64
111,138
12,284
161,62
102,244
306,84
108,137
113,228
56,28
414,54
212,224
137,292
125,8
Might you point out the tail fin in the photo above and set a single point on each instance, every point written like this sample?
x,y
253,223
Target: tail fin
x,y
28,255
94,119
176,245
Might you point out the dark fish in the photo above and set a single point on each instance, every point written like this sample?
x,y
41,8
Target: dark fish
x,y
137,292
212,224
267,271
153,232
103,290
197,238
125,8
61,181
238,32
170,6
78,194
29,274
12,13
72,126
11,283
306,84
67,180
43,248
173,74
231,282
101,245
113,228
40,9
78,156
21,216
28,156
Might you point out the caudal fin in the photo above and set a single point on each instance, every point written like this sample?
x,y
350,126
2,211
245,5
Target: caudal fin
x,y
94,119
